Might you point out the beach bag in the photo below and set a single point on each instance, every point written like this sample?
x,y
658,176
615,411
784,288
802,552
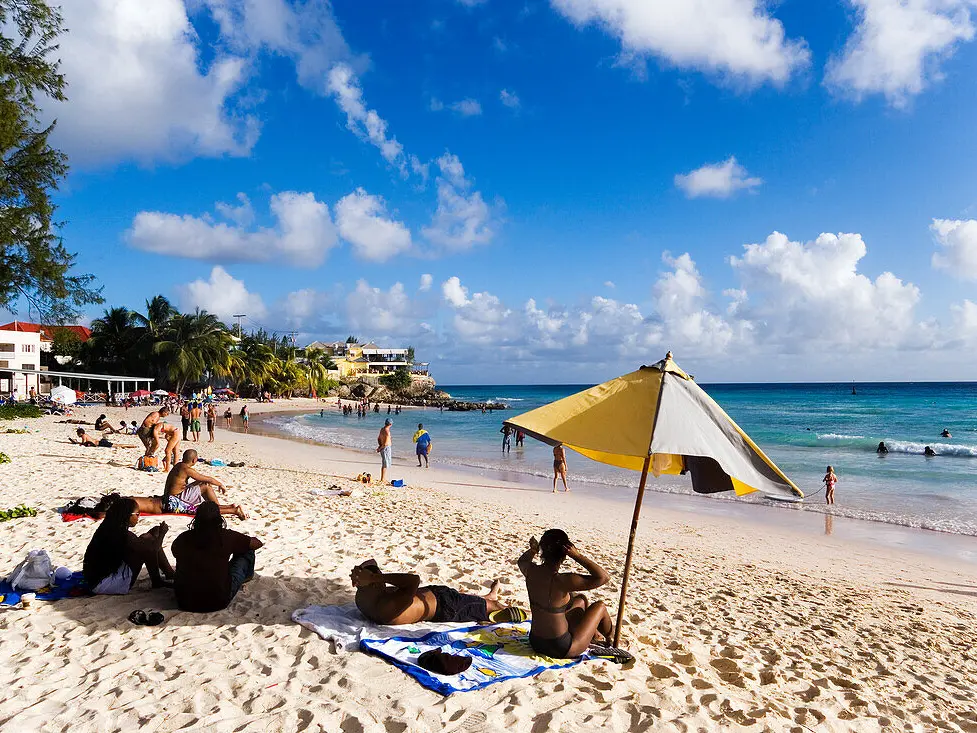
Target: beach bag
x,y
105,443
147,463
33,573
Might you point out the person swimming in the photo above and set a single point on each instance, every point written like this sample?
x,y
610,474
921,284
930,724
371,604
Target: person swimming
x,y
945,434
927,451
882,447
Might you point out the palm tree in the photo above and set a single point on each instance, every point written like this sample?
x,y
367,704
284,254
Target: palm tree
x,y
250,362
159,313
112,340
192,345
317,364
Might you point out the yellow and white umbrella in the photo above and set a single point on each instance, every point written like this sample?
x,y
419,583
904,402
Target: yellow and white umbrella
x,y
657,420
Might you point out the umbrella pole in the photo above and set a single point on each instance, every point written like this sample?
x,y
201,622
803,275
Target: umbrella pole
x,y
627,561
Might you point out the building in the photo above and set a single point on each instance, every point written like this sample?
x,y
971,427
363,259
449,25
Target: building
x,y
355,360
20,349
47,332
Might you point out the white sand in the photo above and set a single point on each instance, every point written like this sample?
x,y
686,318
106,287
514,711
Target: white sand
x,y
734,623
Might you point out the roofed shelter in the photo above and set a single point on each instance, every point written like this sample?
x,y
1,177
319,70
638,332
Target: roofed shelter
x,y
81,381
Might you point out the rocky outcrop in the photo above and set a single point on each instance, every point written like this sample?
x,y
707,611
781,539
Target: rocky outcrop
x,y
422,392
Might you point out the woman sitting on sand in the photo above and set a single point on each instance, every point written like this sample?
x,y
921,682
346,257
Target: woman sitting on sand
x,y
115,554
564,624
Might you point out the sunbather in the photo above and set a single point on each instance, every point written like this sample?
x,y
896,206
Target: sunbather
x,y
115,554
186,489
84,439
397,598
564,624
212,562
104,425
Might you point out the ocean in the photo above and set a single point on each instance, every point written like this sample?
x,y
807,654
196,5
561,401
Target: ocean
x,y
802,427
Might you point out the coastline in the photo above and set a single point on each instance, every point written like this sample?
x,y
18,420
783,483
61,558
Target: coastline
x,y
733,623
787,517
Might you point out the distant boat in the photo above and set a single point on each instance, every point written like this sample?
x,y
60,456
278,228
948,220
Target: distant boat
x,y
853,388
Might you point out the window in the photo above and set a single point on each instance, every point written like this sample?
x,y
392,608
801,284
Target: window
x,y
4,364
7,348
29,366
27,348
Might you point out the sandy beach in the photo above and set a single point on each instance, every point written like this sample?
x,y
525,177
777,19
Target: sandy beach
x,y
735,623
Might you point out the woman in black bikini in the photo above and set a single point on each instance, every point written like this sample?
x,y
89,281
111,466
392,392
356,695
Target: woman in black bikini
x,y
564,624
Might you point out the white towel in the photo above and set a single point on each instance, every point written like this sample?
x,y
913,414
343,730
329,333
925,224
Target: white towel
x,y
345,626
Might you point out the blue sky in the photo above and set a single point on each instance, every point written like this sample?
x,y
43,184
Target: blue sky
x,y
542,191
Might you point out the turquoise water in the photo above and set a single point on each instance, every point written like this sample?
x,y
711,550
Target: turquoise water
x,y
802,427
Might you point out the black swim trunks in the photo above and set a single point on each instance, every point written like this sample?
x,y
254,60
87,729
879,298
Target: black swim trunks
x,y
455,606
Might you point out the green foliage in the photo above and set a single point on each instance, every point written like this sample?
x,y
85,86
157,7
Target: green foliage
x,y
352,340
65,342
410,355
19,411
397,381
192,345
4,458
18,511
34,263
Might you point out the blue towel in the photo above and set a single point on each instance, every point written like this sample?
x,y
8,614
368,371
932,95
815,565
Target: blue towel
x,y
500,652
73,587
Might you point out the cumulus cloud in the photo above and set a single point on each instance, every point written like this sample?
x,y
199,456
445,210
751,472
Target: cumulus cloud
x,y
805,294
958,247
362,221
898,46
242,214
509,99
303,234
462,219
426,282
222,295
139,89
477,319
736,38
717,180
388,312
467,107
365,123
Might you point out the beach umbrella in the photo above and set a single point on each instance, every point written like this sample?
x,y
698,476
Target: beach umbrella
x,y
140,393
657,420
64,395
160,392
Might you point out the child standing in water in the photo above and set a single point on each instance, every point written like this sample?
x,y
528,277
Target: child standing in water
x,y
829,481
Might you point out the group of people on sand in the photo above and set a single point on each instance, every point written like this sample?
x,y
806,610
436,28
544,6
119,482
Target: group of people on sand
x,y
564,622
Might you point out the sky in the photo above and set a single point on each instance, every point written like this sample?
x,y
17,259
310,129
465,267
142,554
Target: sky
x,y
540,191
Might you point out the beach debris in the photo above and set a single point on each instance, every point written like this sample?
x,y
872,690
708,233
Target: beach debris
x,y
4,458
17,512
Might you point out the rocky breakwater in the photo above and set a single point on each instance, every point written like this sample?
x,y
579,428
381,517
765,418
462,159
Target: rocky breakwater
x,y
422,392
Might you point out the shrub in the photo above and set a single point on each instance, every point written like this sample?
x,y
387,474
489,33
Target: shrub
x,y
396,381
17,412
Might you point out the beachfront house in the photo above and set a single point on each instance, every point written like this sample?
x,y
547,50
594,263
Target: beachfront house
x,y
356,360
19,350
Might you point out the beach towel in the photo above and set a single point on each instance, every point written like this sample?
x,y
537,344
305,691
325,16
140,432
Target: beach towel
x,y
72,587
69,517
499,652
345,626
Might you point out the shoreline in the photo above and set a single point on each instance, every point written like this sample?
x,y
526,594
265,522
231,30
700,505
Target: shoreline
x,y
733,623
789,517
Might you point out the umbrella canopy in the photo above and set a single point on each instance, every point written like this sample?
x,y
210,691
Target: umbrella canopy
x,y
657,420
64,395
224,390
160,392
140,393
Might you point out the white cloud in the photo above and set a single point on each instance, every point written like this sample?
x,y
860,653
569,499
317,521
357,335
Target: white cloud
x,y
242,214
426,282
509,99
958,247
717,180
365,123
303,235
139,90
222,295
304,308
810,294
898,46
436,104
373,311
685,321
737,38
609,284
362,221
480,318
462,219
965,321
467,107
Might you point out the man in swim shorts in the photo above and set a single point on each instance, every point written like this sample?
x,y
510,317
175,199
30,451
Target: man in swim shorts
x,y
423,439
186,489
385,449
398,598
148,432
195,412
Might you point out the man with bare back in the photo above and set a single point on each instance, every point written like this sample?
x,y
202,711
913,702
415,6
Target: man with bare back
x,y
148,432
186,489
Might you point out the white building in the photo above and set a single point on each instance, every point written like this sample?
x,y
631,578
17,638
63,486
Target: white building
x,y
19,350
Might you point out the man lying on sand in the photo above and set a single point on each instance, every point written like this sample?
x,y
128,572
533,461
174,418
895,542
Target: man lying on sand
x,y
397,598
148,432
84,439
186,489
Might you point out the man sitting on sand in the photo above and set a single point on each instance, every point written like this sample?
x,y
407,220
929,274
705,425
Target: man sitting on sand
x,y
397,598
186,489
148,432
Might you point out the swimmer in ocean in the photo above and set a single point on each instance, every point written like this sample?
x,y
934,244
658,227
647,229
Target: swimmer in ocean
x,y
927,451
945,434
882,447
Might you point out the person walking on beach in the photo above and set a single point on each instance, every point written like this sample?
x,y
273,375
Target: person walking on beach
x,y
212,562
564,623
227,418
385,449
185,421
245,417
559,467
423,439
829,481
506,439
211,421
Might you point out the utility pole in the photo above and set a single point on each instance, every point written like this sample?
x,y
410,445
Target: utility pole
x,y
239,316
293,334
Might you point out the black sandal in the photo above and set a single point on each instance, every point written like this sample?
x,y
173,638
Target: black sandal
x,y
612,654
141,618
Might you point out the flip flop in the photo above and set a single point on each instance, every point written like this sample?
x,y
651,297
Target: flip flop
x,y
612,654
141,618
510,614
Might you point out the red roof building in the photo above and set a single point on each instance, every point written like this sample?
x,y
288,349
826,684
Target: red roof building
x,y
47,332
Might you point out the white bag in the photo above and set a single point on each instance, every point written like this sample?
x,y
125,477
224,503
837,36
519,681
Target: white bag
x,y
33,573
